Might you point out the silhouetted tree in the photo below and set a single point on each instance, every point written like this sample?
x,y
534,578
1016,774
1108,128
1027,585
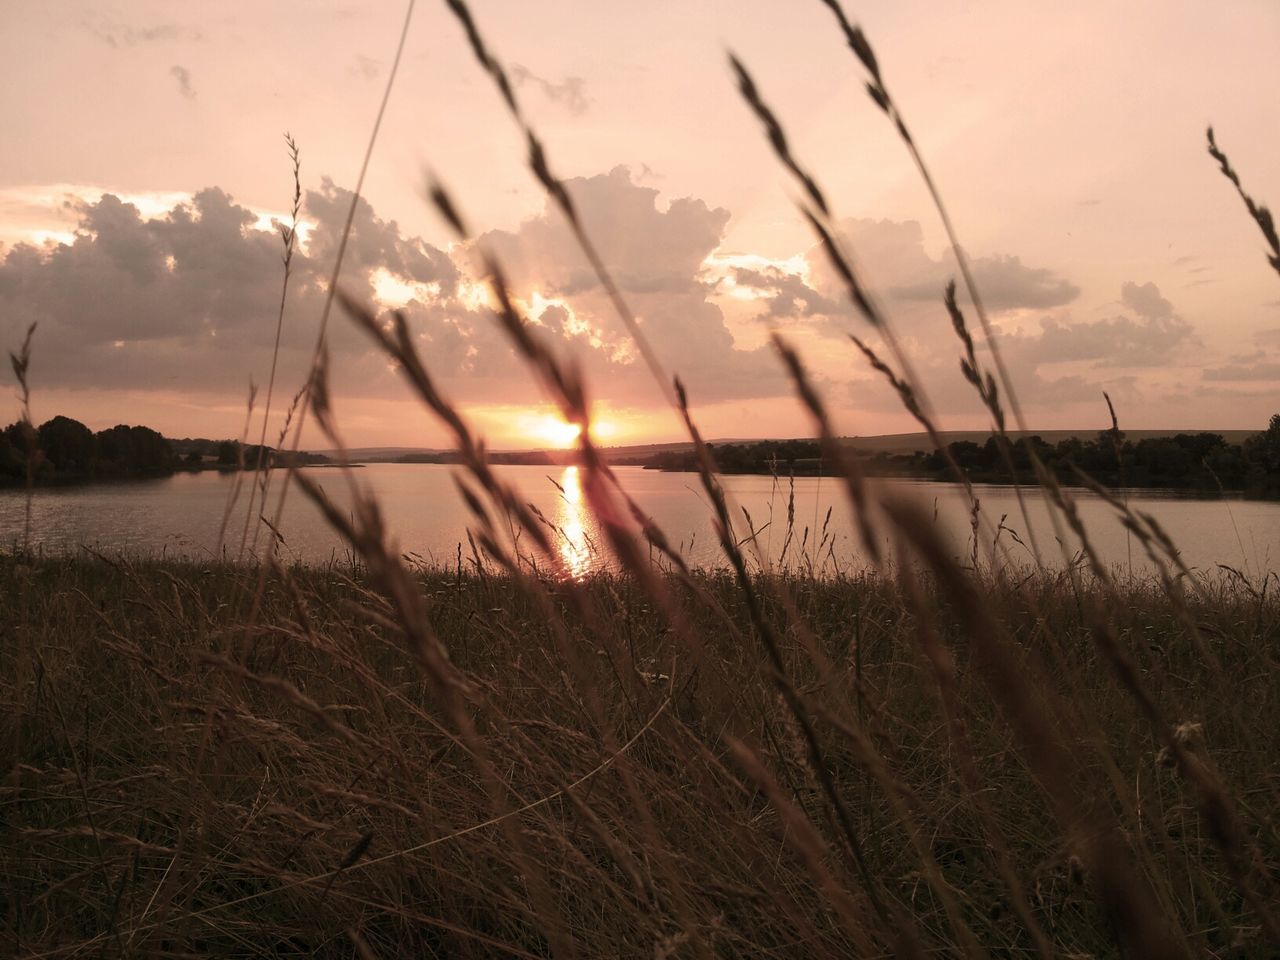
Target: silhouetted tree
x,y
151,451
68,445
1264,449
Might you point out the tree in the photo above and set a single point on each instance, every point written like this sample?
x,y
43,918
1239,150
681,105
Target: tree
x,y
125,451
1264,449
115,448
151,451
13,456
69,446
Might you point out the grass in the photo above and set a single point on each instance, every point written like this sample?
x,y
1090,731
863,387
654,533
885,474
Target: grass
x,y
184,783
931,759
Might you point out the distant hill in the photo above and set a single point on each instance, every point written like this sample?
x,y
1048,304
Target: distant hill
x,y
383,454
1185,461
911,442
882,443
902,443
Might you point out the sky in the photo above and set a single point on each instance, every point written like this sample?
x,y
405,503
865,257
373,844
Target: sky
x,y
146,176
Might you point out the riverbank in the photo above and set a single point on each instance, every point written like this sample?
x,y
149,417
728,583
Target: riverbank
x,y
223,760
63,481
1194,462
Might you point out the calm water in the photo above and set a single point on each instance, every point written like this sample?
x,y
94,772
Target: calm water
x,y
181,515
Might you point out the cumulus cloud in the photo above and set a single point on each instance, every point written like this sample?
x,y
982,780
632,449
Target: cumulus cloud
x,y
570,92
1115,342
1259,365
183,76
187,299
373,243
891,259
656,257
785,294
1005,283
1061,362
1145,300
1151,337
892,256
909,282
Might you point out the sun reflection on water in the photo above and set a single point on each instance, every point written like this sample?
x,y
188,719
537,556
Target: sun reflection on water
x,y
576,548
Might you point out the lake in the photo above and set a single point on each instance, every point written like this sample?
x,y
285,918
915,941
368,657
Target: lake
x,y
182,515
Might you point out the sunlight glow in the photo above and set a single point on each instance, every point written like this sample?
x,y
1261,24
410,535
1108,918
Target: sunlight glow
x,y
574,326
573,517
720,268
271,222
473,295
43,237
394,292
548,429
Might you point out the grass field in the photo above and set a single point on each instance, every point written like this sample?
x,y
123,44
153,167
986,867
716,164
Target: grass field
x,y
184,783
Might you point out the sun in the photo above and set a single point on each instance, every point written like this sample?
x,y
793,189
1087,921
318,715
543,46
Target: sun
x,y
549,430
562,434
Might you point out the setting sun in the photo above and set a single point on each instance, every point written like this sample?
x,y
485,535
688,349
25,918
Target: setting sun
x,y
547,429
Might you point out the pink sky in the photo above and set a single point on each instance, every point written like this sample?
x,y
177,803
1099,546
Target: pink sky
x,y
145,157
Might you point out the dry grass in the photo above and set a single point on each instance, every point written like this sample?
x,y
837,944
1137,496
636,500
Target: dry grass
x,y
181,785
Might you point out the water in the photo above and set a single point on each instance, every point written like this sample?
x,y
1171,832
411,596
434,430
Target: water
x,y
181,516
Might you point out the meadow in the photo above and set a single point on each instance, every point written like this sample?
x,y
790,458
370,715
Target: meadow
x,y
937,757
192,777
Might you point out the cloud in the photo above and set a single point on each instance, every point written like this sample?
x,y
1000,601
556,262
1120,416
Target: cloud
x,y
183,76
571,92
892,262
1004,282
909,283
1145,300
656,257
374,243
187,299
1150,339
115,34
1064,362
1261,370
892,256
785,295
183,298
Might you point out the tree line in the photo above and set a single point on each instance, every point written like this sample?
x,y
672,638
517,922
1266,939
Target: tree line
x,y
1192,461
63,450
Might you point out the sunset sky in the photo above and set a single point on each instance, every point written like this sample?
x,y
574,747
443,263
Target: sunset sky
x,y
144,164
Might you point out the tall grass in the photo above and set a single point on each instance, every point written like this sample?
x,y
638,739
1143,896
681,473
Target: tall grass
x,y
178,787
381,759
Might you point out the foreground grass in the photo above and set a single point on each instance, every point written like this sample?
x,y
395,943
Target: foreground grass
x,y
178,782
